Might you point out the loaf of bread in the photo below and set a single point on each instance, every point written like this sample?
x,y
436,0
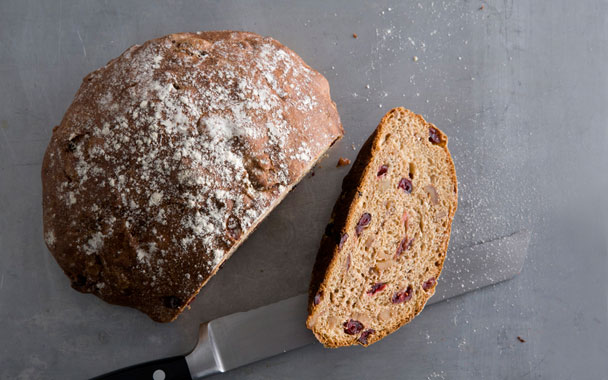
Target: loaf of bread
x,y
384,248
170,156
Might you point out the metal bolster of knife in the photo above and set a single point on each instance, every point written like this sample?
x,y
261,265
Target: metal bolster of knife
x,y
204,360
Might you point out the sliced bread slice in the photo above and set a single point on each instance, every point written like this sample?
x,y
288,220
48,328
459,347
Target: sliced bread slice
x,y
384,247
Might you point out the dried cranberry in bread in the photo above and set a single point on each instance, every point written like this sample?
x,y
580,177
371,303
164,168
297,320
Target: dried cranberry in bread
x,y
171,155
384,249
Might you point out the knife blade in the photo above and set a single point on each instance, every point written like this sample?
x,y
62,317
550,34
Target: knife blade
x,y
242,338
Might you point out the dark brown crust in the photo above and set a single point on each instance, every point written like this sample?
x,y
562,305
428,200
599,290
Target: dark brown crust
x,y
351,186
331,237
114,271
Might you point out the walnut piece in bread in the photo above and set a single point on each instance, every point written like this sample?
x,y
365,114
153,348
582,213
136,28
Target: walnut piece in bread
x,y
384,248
170,156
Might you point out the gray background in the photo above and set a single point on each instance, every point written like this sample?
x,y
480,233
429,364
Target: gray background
x,y
521,88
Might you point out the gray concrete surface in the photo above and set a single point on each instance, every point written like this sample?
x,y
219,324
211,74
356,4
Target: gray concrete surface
x,y
521,88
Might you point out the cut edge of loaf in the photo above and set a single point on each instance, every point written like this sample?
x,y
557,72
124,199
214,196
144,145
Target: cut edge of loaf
x,y
255,226
327,257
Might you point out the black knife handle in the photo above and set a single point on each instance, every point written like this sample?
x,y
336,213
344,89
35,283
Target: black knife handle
x,y
174,368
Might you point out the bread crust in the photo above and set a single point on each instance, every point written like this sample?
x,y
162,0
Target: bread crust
x,y
343,217
171,155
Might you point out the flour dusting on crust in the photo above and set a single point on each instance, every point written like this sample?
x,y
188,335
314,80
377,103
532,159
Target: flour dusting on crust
x,y
173,152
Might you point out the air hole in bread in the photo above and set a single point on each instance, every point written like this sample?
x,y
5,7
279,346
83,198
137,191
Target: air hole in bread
x,y
412,170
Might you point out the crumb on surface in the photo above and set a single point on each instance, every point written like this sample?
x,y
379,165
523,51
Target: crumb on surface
x,y
521,340
343,162
482,7
355,35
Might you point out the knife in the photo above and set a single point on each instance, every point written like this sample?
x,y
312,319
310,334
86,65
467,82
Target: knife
x,y
243,338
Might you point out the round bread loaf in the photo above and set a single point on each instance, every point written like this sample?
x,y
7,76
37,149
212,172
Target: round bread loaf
x,y
170,155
